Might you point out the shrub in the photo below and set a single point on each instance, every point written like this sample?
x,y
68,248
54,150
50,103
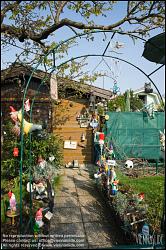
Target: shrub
x,y
49,146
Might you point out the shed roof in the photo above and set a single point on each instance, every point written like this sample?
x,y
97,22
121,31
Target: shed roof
x,y
17,70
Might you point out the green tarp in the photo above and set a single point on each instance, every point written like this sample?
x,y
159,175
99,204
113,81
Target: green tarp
x,y
135,134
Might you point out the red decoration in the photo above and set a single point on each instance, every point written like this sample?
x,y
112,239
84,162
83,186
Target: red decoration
x,y
10,194
101,136
15,152
141,196
12,109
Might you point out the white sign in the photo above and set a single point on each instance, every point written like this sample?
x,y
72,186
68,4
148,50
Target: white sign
x,y
83,124
53,87
70,144
111,162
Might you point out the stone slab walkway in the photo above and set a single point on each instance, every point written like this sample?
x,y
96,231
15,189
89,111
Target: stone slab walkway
x,y
81,219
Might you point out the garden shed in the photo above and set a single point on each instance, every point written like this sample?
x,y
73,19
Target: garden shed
x,y
60,101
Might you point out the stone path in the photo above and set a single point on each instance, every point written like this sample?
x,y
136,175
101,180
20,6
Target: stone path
x,y
81,218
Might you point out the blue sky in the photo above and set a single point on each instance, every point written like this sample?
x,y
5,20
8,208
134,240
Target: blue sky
x,y
127,76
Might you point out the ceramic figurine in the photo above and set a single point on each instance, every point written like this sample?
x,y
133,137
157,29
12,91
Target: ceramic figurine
x,y
12,201
39,217
28,127
115,187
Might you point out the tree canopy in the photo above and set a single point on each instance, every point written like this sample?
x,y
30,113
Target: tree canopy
x,y
33,23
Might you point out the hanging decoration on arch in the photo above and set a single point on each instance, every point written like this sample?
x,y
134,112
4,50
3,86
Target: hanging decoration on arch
x,y
115,89
27,105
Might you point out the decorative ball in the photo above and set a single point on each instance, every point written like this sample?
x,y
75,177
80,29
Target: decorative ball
x,y
107,117
128,164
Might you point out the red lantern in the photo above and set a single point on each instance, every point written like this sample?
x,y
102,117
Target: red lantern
x,y
101,136
15,152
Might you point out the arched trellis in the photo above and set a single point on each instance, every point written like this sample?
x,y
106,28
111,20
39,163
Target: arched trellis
x,y
53,51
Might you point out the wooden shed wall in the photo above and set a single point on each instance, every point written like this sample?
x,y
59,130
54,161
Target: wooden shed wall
x,y
66,125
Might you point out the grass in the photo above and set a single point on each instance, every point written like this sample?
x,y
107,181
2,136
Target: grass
x,y
153,188
57,181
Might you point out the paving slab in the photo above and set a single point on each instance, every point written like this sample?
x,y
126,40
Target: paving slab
x,y
65,192
108,233
66,201
67,215
93,213
71,234
66,178
98,233
86,200
87,191
80,210
80,178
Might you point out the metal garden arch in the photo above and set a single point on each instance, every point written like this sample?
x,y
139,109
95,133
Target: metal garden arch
x,y
53,51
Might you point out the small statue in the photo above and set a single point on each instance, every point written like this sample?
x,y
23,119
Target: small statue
x,y
115,187
39,217
12,201
28,127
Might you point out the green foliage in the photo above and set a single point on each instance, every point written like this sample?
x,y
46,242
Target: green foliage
x,y
120,203
50,146
135,102
118,102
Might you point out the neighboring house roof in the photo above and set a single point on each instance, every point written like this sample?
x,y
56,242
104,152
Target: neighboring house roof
x,y
156,98
142,90
16,70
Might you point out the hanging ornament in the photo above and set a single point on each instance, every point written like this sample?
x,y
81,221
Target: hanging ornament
x,y
119,45
116,89
15,152
27,105
83,137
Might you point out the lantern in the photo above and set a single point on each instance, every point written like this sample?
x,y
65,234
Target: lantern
x,y
15,152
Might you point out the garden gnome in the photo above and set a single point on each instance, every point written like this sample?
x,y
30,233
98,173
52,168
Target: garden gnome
x,y
115,187
12,201
28,127
39,217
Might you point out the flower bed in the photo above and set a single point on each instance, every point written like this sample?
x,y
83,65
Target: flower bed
x,y
136,202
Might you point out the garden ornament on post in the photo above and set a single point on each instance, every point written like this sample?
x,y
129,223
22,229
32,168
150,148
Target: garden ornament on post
x,y
28,127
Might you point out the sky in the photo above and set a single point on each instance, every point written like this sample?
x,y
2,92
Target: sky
x,y
127,76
